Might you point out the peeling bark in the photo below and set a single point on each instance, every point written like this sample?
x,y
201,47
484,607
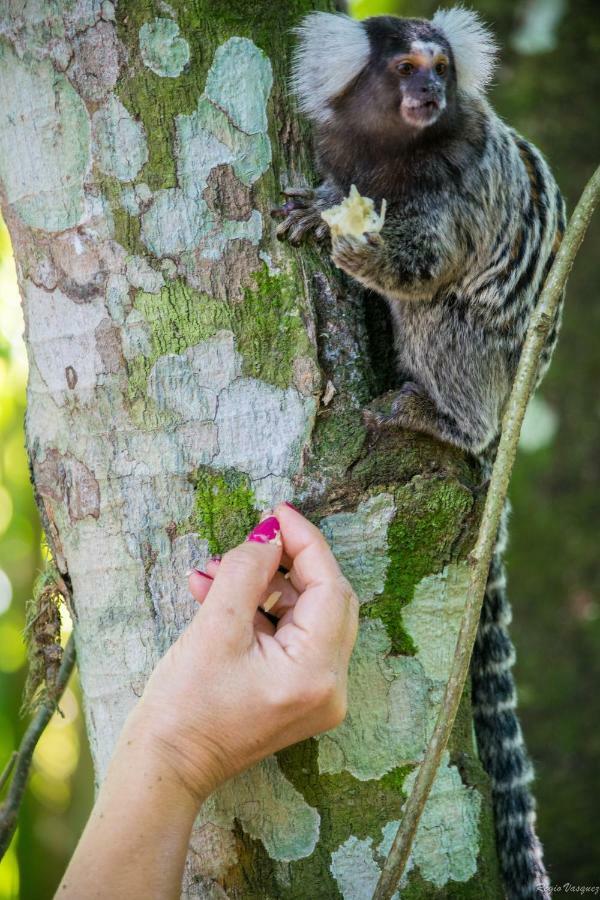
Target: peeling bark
x,y
186,370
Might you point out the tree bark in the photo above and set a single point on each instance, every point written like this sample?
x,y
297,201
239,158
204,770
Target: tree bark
x,y
187,371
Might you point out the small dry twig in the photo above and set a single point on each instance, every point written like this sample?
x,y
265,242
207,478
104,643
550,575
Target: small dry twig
x,y
9,810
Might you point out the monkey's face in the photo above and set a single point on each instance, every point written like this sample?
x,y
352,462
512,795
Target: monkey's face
x,y
421,76
409,83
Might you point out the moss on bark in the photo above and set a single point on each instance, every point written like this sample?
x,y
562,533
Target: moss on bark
x,y
225,508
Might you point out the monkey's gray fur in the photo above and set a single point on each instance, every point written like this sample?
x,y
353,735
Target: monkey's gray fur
x,y
473,221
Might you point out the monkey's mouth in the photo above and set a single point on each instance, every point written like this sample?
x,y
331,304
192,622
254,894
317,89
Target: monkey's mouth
x,y
420,112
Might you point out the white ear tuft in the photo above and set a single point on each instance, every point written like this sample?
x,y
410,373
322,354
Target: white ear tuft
x,y
331,51
473,45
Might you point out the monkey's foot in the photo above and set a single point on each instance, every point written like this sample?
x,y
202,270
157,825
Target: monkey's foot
x,y
357,256
301,214
396,409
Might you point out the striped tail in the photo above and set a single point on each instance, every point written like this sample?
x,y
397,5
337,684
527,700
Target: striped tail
x,y
500,740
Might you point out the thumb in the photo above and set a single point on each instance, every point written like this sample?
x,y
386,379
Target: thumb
x,y
242,578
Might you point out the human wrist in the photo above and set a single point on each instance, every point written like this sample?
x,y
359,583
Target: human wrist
x,y
159,768
182,757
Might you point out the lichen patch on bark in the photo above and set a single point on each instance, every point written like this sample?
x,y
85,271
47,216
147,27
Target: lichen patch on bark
x,y
119,141
54,348
44,184
163,49
447,841
386,724
355,870
247,110
228,127
359,542
268,808
433,616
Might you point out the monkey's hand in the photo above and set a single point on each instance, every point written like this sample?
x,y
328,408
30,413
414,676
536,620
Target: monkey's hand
x,y
361,257
301,214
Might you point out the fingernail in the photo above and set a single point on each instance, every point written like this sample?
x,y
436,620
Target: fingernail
x,y
291,506
266,532
216,559
204,574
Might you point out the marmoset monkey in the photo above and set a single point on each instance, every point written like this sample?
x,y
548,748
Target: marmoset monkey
x,y
473,221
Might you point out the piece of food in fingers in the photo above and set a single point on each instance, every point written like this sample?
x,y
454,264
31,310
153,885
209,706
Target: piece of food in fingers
x,y
271,600
354,216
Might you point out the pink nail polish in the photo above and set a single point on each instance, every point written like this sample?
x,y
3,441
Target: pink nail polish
x,y
266,532
291,506
216,559
204,574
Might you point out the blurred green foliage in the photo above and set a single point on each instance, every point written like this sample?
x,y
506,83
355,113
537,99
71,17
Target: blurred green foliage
x,y
60,788
548,87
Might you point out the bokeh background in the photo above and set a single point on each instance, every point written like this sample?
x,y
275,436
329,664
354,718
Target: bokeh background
x,y
548,87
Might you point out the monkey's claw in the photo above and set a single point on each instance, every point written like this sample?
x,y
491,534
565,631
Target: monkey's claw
x,y
301,217
298,198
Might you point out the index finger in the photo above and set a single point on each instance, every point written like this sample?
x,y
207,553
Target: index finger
x,y
312,561
327,607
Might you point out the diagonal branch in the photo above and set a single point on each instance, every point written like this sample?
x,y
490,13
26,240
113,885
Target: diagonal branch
x,y
479,559
21,761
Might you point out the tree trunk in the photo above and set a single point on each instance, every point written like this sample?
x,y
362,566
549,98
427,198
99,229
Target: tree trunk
x,y
188,371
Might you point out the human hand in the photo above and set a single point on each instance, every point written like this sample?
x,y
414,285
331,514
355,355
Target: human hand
x,y
234,687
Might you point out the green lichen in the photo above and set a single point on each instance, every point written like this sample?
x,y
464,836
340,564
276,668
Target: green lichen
x,y
267,325
45,183
119,141
358,540
346,806
156,100
454,808
225,510
287,826
432,618
355,869
269,328
175,223
389,704
248,113
162,48
430,517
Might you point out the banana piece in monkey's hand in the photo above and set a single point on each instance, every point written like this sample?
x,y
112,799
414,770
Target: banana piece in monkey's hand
x,y
354,216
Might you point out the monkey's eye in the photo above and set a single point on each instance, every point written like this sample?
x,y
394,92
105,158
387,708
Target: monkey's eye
x,y
441,68
405,69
